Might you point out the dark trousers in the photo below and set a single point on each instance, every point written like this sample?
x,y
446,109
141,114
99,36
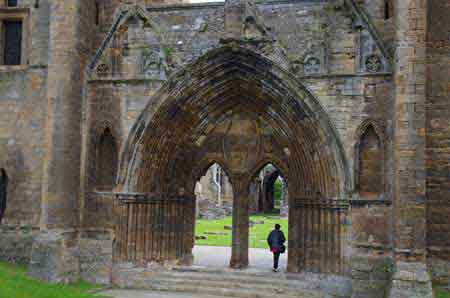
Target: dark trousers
x,y
276,258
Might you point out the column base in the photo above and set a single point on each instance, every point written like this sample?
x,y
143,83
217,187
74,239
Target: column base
x,y
238,264
54,257
187,260
411,280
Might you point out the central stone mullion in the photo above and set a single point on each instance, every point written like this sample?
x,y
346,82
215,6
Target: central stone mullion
x,y
240,235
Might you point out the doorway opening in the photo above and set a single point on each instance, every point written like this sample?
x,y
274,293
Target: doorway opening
x,y
213,218
269,192
268,207
229,115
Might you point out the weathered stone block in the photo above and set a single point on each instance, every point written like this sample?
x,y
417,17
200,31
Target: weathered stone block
x,y
96,260
55,257
411,280
16,245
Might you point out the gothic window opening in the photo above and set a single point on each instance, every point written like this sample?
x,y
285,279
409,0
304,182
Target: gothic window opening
x,y
11,3
12,42
3,192
107,161
387,9
97,13
370,164
312,65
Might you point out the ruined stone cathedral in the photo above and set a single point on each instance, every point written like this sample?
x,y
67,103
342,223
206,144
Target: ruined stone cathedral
x,y
111,111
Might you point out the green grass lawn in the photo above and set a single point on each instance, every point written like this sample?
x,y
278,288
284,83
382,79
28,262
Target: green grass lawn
x,y
442,293
14,283
258,233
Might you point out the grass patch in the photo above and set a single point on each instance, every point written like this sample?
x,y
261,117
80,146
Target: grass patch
x,y
218,236
442,293
14,282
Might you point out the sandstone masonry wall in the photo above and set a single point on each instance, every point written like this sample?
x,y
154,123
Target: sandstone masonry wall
x,y
22,117
437,144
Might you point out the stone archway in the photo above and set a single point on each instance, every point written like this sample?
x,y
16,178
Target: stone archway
x,y
234,106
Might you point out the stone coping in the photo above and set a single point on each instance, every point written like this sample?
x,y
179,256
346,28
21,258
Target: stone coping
x,y
177,6
140,79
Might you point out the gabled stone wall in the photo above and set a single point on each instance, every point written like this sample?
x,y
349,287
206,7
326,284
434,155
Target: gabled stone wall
x,y
51,119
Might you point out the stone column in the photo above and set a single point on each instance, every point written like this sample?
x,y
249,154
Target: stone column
x,y
55,249
61,181
294,225
239,250
189,235
411,278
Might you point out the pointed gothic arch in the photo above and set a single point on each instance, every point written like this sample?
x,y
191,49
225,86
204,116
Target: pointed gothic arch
x,y
221,177
266,197
184,88
107,160
252,111
388,9
369,161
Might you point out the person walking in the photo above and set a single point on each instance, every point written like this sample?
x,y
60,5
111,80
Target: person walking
x,y
276,241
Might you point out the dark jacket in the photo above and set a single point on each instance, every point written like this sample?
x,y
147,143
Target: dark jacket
x,y
276,239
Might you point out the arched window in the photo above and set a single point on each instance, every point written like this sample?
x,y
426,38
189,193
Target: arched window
x,y
387,9
97,13
370,164
3,192
11,3
106,161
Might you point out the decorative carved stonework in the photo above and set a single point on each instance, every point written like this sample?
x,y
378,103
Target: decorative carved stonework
x,y
296,66
312,65
150,62
373,63
102,69
369,90
251,30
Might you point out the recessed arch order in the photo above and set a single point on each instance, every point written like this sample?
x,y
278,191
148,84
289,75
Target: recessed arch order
x,y
163,146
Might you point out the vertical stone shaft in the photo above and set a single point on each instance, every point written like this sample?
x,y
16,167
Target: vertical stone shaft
x,y
296,233
54,256
189,235
410,72
61,180
240,235
411,278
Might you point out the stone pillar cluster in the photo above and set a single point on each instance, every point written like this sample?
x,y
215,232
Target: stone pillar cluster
x,y
409,140
154,229
316,235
